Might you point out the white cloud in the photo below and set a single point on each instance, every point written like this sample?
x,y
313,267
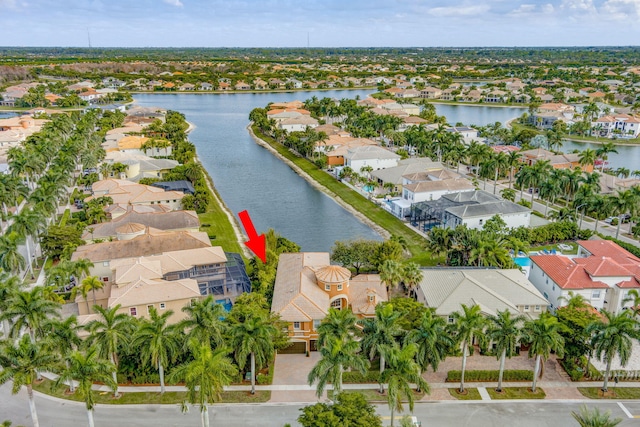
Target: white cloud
x,y
459,10
524,9
176,3
578,5
548,8
9,4
621,9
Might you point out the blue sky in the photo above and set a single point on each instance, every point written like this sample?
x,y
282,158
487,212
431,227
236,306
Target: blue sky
x,y
329,23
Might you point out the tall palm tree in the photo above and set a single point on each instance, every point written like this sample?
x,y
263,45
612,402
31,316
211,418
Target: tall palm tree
x,y
11,260
543,337
85,369
27,224
253,338
21,361
391,273
82,289
30,310
204,321
504,332
603,153
158,342
9,286
402,372
469,323
337,355
63,336
337,324
205,376
411,276
594,418
380,333
514,160
108,332
626,201
612,337
432,340
92,283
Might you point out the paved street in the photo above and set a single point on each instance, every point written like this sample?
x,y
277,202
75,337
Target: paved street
x,y
56,413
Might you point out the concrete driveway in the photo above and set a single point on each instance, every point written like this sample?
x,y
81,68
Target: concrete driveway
x,y
293,369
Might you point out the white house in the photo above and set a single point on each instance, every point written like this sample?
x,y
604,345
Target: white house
x,y
298,124
433,190
603,273
372,155
622,125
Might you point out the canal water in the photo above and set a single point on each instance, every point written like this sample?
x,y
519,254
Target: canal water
x,y
249,177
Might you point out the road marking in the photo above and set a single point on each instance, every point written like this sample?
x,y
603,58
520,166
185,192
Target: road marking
x,y
625,410
483,393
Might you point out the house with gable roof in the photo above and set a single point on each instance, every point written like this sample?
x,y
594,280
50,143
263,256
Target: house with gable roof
x,y
307,285
602,272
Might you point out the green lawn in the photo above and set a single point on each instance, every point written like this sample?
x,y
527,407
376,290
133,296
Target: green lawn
x,y
516,393
415,242
573,251
169,397
614,393
215,222
469,394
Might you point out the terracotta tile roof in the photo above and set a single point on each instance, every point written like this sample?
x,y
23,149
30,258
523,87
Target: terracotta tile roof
x,y
565,273
602,267
609,249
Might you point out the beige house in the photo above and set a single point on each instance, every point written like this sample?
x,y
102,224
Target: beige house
x,y
169,281
165,221
307,285
125,193
141,166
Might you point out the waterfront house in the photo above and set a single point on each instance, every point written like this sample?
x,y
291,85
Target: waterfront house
x,y
298,124
125,193
430,92
445,289
370,156
557,161
616,125
602,272
307,285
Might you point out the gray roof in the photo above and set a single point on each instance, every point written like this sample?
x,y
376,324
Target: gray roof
x,y
487,209
445,289
405,167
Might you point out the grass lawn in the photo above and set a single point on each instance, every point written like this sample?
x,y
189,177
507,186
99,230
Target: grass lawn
x,y
170,397
573,251
215,222
470,394
516,393
415,242
613,393
374,396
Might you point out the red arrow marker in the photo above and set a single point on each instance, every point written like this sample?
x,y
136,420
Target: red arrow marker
x,y
257,244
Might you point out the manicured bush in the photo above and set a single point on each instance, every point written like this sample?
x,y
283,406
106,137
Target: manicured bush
x,y
358,378
485,376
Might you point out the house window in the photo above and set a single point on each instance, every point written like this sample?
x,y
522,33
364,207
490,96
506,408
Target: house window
x,y
337,304
340,287
149,307
537,308
296,325
554,288
105,264
451,319
526,308
105,279
595,294
480,222
327,287
546,296
372,298
162,306
133,311
316,324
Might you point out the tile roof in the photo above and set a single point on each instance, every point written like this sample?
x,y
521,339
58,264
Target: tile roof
x,y
566,273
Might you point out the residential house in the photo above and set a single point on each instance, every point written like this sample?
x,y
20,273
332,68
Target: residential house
x,y
188,87
470,208
410,121
496,96
205,86
164,221
616,125
298,124
242,86
557,161
430,92
140,166
307,285
494,290
125,193
602,272
370,156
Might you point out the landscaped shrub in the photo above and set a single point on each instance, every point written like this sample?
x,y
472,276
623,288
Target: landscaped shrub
x,y
358,378
574,371
486,376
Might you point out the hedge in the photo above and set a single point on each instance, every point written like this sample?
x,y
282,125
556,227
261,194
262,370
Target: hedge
x,y
358,378
486,376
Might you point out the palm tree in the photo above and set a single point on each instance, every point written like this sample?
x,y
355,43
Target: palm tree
x,y
21,361
107,333
157,341
337,324
391,273
337,355
411,276
431,339
402,372
633,296
468,324
83,289
625,201
604,151
9,286
63,336
254,338
204,321
30,310
612,337
594,418
85,369
504,332
543,337
26,224
92,283
514,159
380,333
205,376
11,260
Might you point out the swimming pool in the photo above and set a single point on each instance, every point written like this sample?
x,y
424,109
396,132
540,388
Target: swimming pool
x,y
522,261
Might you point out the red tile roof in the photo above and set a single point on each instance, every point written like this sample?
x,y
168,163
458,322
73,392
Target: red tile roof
x,y
607,248
566,273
